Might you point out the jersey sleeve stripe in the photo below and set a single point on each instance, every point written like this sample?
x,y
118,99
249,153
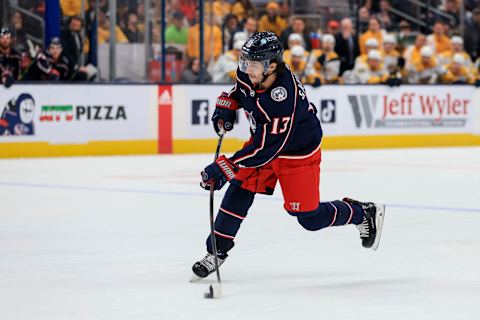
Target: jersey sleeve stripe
x,y
262,145
262,110
246,85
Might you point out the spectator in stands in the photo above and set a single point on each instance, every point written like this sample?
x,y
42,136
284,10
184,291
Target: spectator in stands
x,y
140,11
457,72
390,55
72,41
122,13
346,45
404,35
373,31
225,69
131,29
176,33
371,72
229,27
472,39
333,27
104,30
387,20
295,39
271,20
328,62
425,70
452,8
58,61
438,41
299,66
249,28
371,44
297,25
72,8
19,35
363,18
193,42
244,9
192,73
412,53
9,59
445,58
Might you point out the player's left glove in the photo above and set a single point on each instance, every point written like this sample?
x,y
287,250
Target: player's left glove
x,y
218,173
225,113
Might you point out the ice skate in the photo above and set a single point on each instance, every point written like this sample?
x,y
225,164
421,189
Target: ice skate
x,y
371,227
203,268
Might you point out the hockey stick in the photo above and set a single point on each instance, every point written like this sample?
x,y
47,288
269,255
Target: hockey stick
x,y
214,290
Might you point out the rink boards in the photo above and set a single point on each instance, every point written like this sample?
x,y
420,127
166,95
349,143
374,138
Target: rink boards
x,y
62,120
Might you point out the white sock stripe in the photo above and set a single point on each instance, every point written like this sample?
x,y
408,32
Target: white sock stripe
x,y
226,236
335,215
351,212
231,213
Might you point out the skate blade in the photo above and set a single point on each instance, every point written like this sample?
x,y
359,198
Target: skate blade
x,y
195,278
379,217
214,291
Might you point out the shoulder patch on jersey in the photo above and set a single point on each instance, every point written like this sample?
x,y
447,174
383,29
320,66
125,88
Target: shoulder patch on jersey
x,y
279,94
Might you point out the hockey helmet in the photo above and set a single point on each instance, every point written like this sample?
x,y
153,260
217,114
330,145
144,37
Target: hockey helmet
x,y
264,47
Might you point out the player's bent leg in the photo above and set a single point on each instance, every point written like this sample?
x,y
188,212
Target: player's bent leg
x,y
328,214
232,212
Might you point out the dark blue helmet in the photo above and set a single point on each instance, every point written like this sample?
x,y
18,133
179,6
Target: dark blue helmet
x,y
263,46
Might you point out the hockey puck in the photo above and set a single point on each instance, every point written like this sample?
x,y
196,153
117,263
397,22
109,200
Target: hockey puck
x,y
214,291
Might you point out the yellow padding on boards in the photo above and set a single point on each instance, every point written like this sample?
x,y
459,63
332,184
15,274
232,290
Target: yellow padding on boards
x,y
93,148
343,142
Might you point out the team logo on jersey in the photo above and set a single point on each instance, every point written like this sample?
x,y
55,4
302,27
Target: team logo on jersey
x,y
252,93
279,94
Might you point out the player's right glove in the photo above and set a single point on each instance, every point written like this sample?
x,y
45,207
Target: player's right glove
x,y
225,114
218,173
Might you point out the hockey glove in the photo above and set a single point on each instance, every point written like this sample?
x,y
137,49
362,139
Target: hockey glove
x,y
225,114
218,173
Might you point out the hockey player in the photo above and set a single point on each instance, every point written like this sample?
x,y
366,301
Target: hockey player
x,y
9,59
284,146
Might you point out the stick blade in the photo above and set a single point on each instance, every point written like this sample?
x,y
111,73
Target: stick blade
x,y
214,291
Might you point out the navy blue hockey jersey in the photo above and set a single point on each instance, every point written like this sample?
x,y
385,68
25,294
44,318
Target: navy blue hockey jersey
x,y
282,121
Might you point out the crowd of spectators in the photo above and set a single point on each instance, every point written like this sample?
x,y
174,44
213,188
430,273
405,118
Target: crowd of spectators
x,y
386,49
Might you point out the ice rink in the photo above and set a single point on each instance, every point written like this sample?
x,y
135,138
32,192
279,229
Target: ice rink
x,y
115,238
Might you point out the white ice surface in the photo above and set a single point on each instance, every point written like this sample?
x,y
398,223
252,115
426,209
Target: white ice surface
x,y
115,238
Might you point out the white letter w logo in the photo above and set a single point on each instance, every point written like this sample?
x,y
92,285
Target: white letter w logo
x,y
367,104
